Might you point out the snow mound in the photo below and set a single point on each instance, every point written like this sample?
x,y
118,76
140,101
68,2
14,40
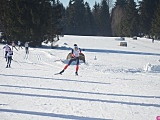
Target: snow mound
x,y
152,68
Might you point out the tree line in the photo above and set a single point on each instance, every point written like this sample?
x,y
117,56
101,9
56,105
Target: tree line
x,y
80,19
31,20
39,20
126,18
136,20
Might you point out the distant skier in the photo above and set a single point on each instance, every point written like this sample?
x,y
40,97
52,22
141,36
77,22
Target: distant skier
x,y
6,47
26,45
152,40
75,57
14,45
20,44
9,57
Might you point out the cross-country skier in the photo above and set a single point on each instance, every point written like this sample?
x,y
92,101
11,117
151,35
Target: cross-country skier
x,y
26,45
6,47
75,57
14,45
20,44
9,57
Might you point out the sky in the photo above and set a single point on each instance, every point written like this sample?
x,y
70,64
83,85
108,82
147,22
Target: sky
x,y
91,2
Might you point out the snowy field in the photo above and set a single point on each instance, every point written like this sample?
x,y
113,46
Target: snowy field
x,y
116,83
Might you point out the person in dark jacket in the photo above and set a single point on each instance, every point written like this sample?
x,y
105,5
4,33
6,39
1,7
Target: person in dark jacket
x,y
9,57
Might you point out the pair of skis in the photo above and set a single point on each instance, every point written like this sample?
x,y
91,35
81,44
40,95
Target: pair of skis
x,y
61,74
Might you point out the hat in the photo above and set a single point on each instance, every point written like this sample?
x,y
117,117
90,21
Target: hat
x,y
75,44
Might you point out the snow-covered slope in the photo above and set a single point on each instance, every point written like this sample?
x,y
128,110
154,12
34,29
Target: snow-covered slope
x,y
122,83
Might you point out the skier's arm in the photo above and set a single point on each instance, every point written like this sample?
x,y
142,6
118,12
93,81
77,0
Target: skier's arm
x,y
72,54
80,50
72,51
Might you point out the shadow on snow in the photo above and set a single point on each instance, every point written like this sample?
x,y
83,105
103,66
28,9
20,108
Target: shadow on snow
x,y
82,99
121,52
112,51
81,92
50,114
68,80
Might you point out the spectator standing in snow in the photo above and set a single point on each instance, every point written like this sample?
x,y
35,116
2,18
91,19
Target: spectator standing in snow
x,y
14,45
75,57
26,45
9,57
6,47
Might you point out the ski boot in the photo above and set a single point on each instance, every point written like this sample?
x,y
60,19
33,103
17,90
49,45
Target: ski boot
x,y
61,72
76,73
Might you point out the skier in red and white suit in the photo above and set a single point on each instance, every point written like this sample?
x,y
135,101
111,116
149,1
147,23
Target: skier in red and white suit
x,y
75,57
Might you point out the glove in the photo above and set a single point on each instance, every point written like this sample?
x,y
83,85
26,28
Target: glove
x,y
73,56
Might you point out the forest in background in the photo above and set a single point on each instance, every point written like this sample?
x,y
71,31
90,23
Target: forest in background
x,y
41,20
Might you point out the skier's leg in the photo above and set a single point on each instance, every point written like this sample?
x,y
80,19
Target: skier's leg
x,y
7,59
26,50
6,54
77,66
71,60
66,67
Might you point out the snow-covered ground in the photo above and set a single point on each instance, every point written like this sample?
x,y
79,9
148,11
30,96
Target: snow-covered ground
x,y
122,83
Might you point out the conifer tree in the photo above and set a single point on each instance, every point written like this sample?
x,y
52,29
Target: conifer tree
x,y
156,23
75,16
96,16
88,20
147,10
31,20
3,9
116,17
129,23
105,22
120,2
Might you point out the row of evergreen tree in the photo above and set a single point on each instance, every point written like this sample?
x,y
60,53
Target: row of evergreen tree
x,y
141,19
127,18
80,19
38,20
31,20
